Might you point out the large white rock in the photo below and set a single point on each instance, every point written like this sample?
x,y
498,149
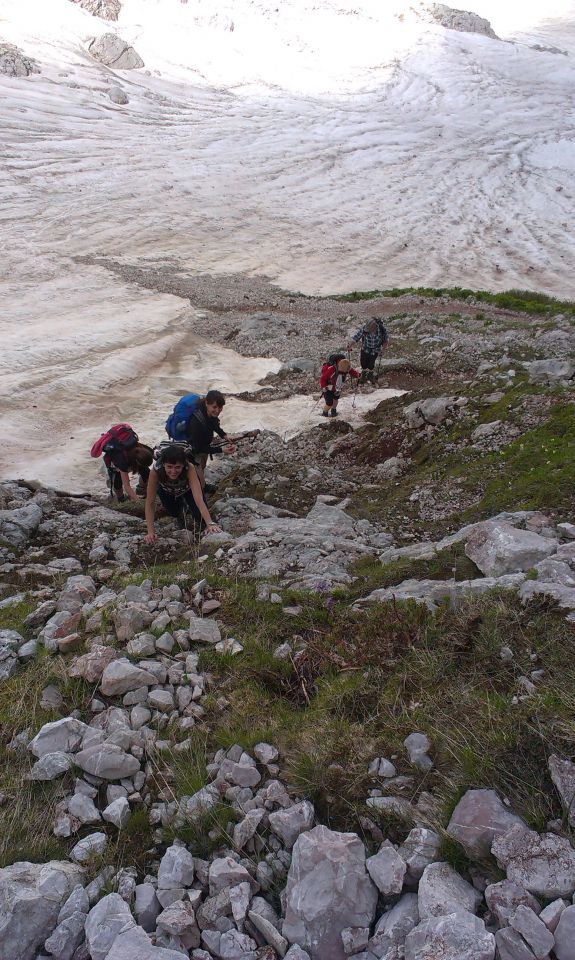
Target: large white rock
x,y
122,675
134,944
108,918
565,935
176,868
478,818
563,776
420,848
51,765
443,891
118,812
498,548
387,869
17,525
289,824
456,936
93,845
115,52
550,371
392,928
59,736
544,865
108,761
225,872
31,895
328,889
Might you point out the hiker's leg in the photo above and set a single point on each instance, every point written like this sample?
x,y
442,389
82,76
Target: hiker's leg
x,y
116,489
333,410
328,400
364,363
169,503
200,465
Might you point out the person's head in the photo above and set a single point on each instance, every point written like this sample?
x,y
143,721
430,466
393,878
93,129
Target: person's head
x,y
215,402
343,366
174,461
371,326
140,457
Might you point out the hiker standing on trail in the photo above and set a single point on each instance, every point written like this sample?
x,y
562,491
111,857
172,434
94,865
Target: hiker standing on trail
x,y
174,479
373,336
333,376
196,419
123,455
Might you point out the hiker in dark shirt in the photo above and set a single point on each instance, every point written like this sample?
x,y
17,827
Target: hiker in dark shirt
x,y
121,463
204,422
373,337
174,479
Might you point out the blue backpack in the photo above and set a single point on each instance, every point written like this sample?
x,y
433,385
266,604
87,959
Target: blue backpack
x,y
178,422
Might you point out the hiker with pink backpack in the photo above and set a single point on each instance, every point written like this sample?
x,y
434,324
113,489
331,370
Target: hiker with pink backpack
x,y
123,455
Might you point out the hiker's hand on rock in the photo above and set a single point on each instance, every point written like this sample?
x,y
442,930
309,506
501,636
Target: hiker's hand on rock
x,y
151,537
133,495
213,528
230,448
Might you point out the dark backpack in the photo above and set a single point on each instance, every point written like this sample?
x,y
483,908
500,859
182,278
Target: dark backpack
x,y
118,438
383,331
178,422
160,450
334,358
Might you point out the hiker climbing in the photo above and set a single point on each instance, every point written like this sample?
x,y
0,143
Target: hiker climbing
x,y
373,336
123,455
333,376
174,479
195,419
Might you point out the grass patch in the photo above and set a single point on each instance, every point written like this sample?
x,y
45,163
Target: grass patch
x,y
521,301
12,617
444,565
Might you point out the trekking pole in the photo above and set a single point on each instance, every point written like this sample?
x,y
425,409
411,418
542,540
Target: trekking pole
x,y
355,393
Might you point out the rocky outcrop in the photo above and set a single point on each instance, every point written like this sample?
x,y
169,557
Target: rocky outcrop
x,y
462,20
498,548
15,63
31,895
106,9
325,865
480,817
114,52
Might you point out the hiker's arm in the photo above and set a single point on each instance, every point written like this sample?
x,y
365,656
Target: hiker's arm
x,y
220,431
354,373
150,504
357,336
127,486
197,493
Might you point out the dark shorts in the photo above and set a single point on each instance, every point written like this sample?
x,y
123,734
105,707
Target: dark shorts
x,y
180,506
329,396
367,360
115,477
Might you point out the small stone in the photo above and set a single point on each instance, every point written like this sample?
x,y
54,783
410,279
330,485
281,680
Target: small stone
x,y
91,846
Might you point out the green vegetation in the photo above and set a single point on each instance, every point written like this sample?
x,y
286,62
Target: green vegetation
x,y
522,301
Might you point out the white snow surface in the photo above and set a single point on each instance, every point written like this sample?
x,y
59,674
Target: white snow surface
x,y
330,145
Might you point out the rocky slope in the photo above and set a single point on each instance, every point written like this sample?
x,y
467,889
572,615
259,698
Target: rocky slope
x,y
256,745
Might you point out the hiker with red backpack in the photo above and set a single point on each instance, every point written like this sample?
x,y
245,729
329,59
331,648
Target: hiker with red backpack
x,y
373,336
123,455
334,373
195,419
174,479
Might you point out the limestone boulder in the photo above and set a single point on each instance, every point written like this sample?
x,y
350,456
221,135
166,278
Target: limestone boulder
x,y
114,52
326,866
563,776
89,847
18,525
550,371
387,870
134,944
443,891
106,9
121,675
456,936
90,666
176,868
289,824
462,20
393,927
420,848
544,865
31,895
498,548
108,918
108,761
59,736
51,765
480,817
565,935
504,898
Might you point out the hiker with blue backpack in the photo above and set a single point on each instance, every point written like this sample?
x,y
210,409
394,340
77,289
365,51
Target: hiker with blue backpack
x,y
123,455
373,336
195,420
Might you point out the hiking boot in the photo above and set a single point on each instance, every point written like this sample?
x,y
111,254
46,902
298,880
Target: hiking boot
x,y
325,413
120,497
364,376
210,488
334,413
141,489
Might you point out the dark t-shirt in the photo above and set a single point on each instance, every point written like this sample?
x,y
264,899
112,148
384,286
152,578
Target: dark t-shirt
x,y
201,430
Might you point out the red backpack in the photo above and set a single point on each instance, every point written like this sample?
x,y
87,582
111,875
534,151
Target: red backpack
x,y
119,437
